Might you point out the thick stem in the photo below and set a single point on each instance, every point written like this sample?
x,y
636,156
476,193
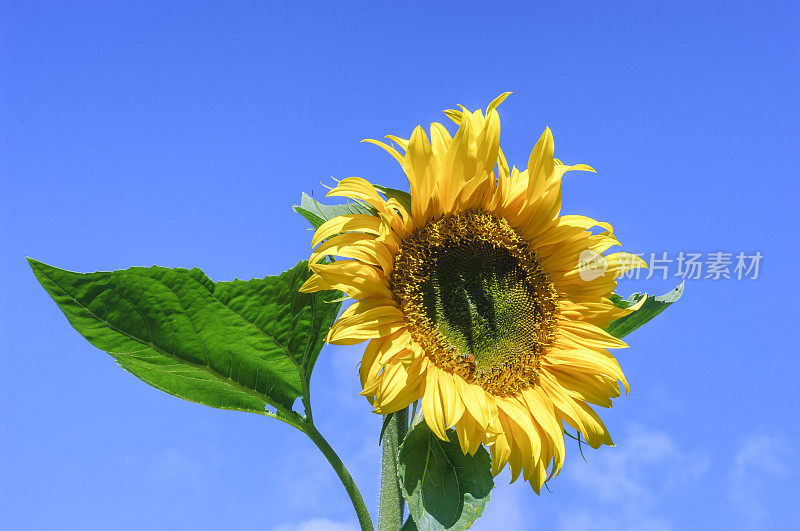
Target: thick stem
x,y
391,505
345,477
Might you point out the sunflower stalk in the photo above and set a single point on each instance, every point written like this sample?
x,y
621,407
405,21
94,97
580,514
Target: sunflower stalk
x,y
360,507
391,505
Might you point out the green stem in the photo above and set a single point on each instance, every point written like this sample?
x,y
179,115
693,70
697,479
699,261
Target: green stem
x,y
344,476
391,505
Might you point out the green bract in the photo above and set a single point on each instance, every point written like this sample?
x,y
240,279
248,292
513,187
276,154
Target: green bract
x,y
651,307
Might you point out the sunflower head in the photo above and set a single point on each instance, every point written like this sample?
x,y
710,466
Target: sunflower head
x,y
471,296
479,304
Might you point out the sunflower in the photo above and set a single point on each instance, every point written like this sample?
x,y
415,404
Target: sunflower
x,y
472,299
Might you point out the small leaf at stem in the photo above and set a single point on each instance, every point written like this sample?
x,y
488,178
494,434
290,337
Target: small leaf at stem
x,y
444,488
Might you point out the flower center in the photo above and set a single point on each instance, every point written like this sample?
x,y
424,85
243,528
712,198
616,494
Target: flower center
x,y
476,300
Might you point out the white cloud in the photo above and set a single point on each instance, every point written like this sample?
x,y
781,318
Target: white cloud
x,y
624,484
760,459
317,524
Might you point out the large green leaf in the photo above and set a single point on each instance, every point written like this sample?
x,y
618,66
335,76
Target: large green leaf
x,y
651,307
238,345
444,488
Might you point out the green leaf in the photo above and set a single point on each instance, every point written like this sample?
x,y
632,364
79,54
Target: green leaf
x,y
238,345
649,309
444,488
317,213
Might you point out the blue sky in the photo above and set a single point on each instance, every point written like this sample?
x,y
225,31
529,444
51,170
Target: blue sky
x,y
179,134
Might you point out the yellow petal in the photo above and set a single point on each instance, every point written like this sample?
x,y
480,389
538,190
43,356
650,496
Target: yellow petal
x,y
356,279
432,407
389,149
313,284
497,101
576,413
569,356
586,387
362,247
524,432
588,334
365,223
452,402
544,413
470,434
359,189
540,165
455,115
440,140
619,263
396,343
402,142
397,381
501,453
459,163
476,401
369,368
489,143
368,319
420,169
